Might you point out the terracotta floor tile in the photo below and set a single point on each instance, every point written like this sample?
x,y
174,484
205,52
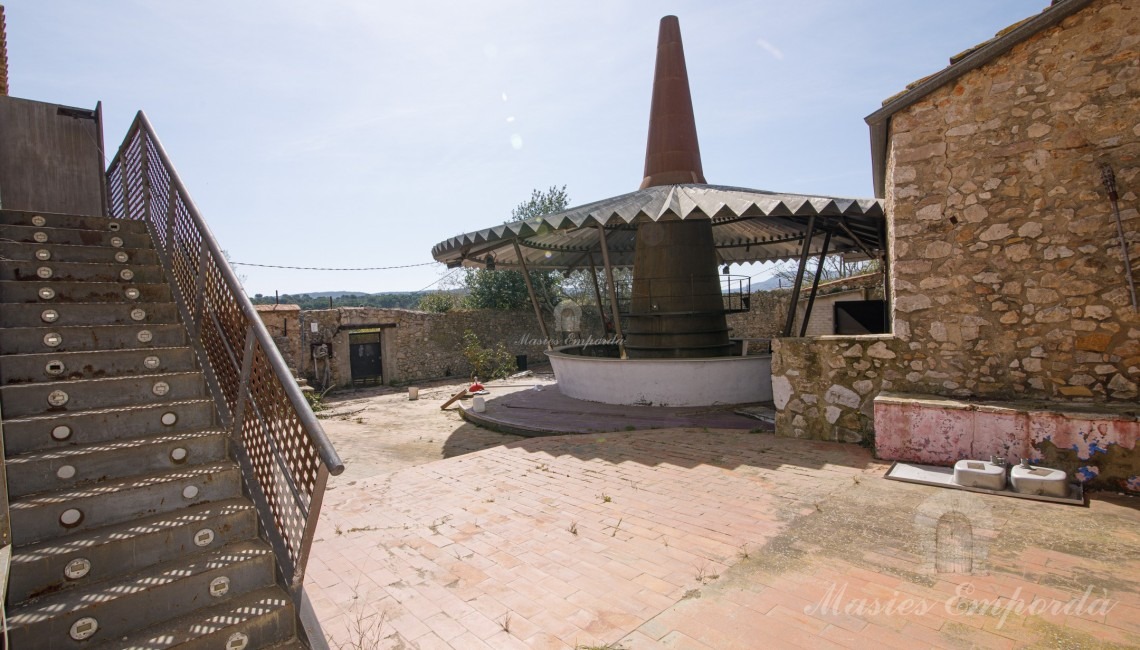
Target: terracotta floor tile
x,y
443,562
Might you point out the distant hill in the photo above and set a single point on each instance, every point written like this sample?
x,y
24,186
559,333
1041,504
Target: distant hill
x,y
769,284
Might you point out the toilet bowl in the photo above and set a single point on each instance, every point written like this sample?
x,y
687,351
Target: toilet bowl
x,y
1039,480
979,474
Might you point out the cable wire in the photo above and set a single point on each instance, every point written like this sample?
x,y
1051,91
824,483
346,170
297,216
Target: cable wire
x,y
326,268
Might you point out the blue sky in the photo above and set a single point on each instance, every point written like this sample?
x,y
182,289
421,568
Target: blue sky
x,y
360,133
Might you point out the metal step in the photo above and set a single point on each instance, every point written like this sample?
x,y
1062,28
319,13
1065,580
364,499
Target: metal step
x,y
51,292
70,253
34,271
86,394
56,220
125,507
260,619
25,340
75,237
87,313
47,515
143,599
71,467
63,430
40,569
57,366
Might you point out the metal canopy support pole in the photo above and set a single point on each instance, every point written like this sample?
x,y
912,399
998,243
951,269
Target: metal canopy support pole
x,y
611,288
791,320
597,291
815,284
530,291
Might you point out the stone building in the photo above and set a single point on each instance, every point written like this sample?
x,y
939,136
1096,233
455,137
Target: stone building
x,y
392,346
1008,279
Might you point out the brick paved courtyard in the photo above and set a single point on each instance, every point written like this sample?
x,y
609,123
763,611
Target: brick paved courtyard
x,y
705,539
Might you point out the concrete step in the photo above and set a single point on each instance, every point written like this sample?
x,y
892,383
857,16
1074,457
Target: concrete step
x,y
30,271
71,467
69,253
85,394
57,366
83,222
119,549
26,340
75,237
50,292
262,619
64,430
48,515
143,599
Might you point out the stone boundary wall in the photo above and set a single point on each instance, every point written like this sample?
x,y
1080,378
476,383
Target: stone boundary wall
x,y
415,345
1009,281
824,388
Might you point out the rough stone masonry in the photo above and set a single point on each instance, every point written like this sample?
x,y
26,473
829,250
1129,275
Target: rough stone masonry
x,y
1008,280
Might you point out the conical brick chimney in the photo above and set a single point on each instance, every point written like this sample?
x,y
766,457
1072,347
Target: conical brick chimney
x,y
677,309
672,154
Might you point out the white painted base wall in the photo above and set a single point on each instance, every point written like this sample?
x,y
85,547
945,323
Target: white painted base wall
x,y
664,382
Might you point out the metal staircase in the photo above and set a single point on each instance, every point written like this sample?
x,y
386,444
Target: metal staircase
x,y
164,475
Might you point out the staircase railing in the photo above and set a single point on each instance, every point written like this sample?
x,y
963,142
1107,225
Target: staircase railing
x,y
286,457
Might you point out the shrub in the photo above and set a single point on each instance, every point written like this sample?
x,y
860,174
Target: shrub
x,y
487,363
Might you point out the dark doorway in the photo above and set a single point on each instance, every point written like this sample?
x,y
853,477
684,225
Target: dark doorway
x,y
365,359
860,317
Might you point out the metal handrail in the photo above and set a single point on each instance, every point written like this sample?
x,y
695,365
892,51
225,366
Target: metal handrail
x,y
275,433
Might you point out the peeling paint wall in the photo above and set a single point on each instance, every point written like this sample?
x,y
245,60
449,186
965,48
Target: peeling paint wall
x,y
1096,447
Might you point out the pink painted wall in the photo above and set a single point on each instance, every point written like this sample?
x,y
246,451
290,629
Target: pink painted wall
x,y
1096,448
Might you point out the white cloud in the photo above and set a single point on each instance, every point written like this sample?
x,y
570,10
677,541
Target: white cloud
x,y
771,49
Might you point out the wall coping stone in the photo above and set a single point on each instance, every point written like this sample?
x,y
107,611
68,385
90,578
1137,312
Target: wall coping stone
x,y
1075,411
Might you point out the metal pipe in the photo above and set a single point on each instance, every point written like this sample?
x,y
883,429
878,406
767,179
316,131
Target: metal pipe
x,y
612,289
791,319
815,284
597,292
533,299
1109,179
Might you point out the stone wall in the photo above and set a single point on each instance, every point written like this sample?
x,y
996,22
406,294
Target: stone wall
x,y
824,388
1008,279
284,325
415,345
765,319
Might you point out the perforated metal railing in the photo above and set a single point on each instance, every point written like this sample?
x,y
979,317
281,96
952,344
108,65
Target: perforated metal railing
x,y
283,451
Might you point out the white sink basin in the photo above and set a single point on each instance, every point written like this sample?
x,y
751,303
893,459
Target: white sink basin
x,y
1039,480
979,474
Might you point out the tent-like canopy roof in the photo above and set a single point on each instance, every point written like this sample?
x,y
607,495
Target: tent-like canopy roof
x,y
748,226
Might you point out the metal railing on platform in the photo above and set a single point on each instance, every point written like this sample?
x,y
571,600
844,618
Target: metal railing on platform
x,y
284,454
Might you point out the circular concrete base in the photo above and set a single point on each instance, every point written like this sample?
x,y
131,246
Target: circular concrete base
x,y
663,382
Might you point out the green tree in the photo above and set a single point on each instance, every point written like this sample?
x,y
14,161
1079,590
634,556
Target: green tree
x,y
439,302
507,289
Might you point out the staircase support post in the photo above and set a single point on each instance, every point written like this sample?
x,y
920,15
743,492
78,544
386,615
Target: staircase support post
x,y
243,382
